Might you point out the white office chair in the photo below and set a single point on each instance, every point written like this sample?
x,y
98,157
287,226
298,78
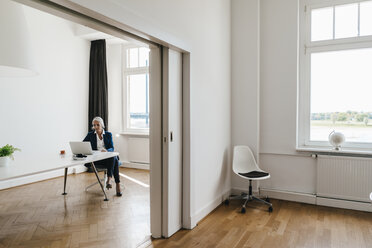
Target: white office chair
x,y
103,180
245,166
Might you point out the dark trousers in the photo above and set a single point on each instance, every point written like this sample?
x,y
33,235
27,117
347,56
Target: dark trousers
x,y
112,166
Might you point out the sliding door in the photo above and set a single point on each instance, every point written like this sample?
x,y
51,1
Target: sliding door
x,y
172,142
155,70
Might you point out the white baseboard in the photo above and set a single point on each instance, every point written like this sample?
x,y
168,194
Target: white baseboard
x,y
279,194
208,208
136,165
238,191
40,177
316,200
337,203
289,196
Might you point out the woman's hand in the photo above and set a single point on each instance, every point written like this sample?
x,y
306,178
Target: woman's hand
x,y
103,150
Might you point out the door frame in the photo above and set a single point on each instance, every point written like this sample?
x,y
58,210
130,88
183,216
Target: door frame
x,y
138,33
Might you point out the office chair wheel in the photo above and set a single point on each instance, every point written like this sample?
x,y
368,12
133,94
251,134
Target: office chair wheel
x,y
227,202
267,199
243,210
270,209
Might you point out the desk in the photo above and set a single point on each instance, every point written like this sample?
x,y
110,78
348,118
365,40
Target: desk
x,y
23,166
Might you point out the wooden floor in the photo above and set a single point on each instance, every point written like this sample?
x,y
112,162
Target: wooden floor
x,y
290,225
37,215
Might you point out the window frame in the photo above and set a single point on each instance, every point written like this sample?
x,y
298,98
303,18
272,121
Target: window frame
x,y
305,49
125,93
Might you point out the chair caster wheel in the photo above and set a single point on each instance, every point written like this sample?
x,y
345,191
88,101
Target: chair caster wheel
x,y
270,209
243,210
227,202
267,199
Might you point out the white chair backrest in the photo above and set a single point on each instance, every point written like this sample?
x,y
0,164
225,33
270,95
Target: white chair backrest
x,y
243,160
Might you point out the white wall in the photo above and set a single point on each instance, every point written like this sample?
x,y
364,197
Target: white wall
x,y
245,58
205,27
114,77
42,114
289,170
115,98
279,24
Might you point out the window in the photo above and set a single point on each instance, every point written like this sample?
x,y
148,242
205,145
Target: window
x,y
335,83
136,90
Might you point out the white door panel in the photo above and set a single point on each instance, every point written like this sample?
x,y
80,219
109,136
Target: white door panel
x,y
172,142
155,142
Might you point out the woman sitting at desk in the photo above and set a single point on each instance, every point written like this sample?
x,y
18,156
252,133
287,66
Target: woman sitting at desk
x,y
102,141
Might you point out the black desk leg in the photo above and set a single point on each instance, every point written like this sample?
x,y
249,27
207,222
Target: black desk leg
x,y
64,185
99,181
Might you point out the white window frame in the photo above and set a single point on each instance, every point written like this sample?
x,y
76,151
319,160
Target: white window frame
x,y
306,48
125,99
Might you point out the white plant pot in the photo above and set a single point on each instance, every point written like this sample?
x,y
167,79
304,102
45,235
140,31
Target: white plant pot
x,y
4,161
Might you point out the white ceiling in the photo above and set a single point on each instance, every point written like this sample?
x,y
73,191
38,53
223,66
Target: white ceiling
x,y
91,34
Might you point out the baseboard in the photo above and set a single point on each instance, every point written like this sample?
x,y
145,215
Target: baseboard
x,y
208,208
338,203
289,196
136,165
316,200
40,177
238,191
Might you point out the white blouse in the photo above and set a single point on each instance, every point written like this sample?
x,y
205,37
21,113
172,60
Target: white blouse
x,y
100,143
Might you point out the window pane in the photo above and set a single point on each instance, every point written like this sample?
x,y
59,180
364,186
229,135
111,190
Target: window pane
x,y
346,21
366,18
341,86
132,60
322,24
138,101
144,56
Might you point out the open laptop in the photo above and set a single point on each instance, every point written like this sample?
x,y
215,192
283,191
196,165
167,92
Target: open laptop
x,y
81,147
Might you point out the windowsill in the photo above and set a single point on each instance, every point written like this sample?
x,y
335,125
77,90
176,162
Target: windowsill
x,y
135,134
347,151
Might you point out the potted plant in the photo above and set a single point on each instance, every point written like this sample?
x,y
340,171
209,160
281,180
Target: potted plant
x,y
6,152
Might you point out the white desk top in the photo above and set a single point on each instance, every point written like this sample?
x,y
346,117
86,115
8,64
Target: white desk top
x,y
22,166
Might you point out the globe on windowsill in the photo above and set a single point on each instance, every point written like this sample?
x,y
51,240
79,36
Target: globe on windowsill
x,y
336,139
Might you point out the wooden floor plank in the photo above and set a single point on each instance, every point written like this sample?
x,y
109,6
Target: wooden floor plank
x,y
37,215
290,225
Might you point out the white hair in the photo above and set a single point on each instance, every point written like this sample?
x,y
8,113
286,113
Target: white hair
x,y
100,120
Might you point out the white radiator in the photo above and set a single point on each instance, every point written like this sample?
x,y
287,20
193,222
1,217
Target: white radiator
x,y
346,178
139,150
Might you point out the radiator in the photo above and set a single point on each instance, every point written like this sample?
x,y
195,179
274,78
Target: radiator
x,y
139,150
346,178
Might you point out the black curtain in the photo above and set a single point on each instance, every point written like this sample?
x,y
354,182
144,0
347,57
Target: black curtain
x,y
98,102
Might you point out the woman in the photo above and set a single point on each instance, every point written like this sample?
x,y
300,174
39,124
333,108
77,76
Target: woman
x,y
102,141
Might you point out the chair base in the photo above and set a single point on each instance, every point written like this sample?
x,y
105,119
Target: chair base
x,y
102,180
249,197
90,186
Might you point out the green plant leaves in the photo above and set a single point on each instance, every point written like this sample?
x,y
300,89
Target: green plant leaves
x,y
8,150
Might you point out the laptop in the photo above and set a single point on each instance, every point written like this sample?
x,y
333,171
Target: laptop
x,y
81,147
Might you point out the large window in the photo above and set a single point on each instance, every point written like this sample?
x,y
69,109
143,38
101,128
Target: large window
x,y
335,90
136,90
